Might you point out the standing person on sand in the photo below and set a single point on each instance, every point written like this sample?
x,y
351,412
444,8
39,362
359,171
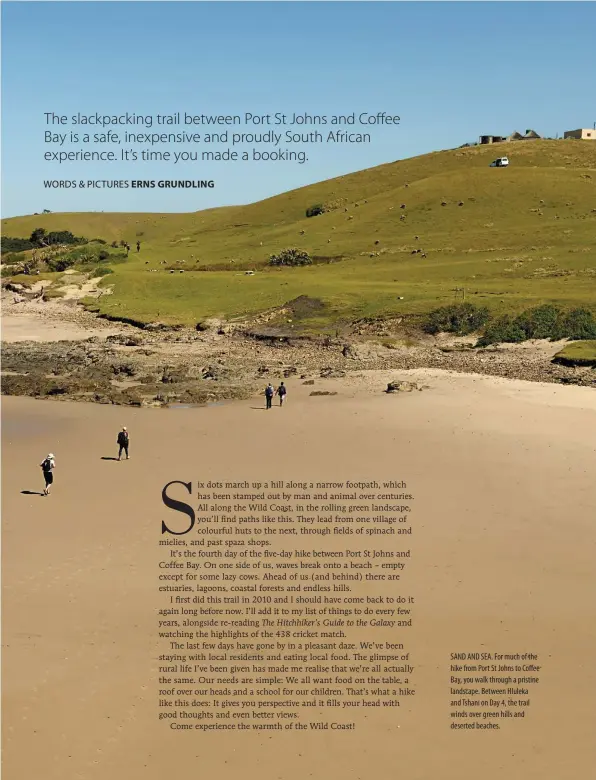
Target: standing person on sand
x,y
269,392
138,246
281,392
48,465
123,442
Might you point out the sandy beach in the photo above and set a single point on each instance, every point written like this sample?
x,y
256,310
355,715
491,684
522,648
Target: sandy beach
x,y
502,560
297,392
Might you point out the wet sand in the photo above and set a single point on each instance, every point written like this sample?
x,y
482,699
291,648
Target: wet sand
x,y
502,560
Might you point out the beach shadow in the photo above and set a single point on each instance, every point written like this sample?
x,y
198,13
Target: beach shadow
x,y
31,493
106,457
259,408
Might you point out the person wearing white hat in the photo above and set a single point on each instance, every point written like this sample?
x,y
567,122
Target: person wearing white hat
x,y
123,442
48,465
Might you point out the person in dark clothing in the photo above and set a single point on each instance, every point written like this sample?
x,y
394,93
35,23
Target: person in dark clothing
x,y
138,246
123,441
281,392
48,465
269,392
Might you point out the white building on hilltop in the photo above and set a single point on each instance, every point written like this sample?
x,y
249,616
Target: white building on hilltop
x,y
582,134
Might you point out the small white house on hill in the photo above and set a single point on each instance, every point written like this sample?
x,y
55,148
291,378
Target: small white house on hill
x,y
582,134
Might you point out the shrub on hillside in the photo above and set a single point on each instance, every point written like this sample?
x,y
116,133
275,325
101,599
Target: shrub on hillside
x,y
37,236
291,257
81,256
12,259
31,265
504,329
542,322
314,211
10,244
65,237
10,270
40,238
458,318
538,323
60,262
575,324
102,271
93,253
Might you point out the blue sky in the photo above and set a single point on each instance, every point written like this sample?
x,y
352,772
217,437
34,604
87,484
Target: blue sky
x,y
451,71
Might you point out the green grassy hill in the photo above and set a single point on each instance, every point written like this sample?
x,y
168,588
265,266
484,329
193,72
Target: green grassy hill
x,y
513,237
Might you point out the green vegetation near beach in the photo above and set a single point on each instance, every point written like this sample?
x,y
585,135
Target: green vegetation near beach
x,y
405,238
578,353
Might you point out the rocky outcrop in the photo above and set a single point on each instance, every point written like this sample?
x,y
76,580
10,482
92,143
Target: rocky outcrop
x,y
402,387
332,373
116,369
212,324
360,351
125,340
161,326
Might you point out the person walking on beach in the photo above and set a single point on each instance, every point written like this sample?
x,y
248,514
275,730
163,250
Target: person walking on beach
x,y
48,465
269,391
138,246
281,392
123,441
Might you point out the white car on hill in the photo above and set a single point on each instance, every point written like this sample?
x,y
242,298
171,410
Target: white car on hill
x,y
500,162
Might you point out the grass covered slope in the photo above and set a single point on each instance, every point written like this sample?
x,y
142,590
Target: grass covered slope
x,y
513,237
578,353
